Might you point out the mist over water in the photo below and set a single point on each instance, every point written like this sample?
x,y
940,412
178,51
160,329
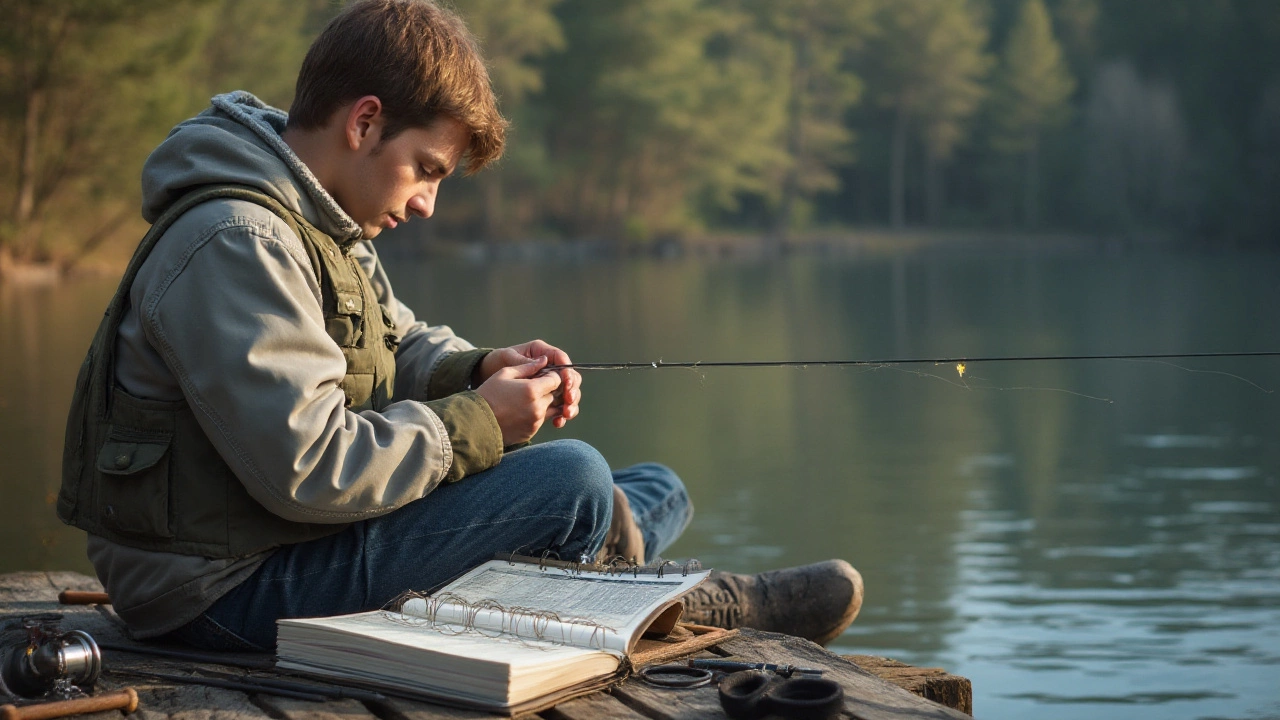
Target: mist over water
x,y
1081,539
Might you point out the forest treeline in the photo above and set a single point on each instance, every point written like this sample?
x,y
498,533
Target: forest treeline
x,y
638,120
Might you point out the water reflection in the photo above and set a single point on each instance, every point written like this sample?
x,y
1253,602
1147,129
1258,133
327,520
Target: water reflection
x,y
1088,539
44,333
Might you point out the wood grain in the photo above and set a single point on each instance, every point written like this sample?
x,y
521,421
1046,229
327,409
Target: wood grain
x,y
867,696
290,709
599,705
933,684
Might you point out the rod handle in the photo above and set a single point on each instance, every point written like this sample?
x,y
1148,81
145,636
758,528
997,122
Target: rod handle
x,y
126,700
83,597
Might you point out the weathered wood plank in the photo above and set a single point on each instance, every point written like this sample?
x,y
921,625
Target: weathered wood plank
x,y
162,701
31,593
72,618
401,709
291,709
669,703
933,684
866,696
592,707
42,587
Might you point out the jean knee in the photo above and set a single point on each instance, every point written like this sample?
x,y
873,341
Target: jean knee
x,y
656,487
582,477
662,476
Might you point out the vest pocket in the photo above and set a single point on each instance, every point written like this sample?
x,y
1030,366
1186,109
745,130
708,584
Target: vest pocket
x,y
344,330
344,326
358,385
133,486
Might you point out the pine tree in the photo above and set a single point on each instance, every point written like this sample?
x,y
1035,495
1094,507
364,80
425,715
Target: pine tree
x,y
81,103
927,64
514,35
817,37
1030,97
656,109
90,86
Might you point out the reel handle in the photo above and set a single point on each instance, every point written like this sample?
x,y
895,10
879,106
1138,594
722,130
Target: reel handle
x,y
126,700
83,597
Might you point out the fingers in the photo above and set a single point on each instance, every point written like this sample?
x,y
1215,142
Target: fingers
x,y
569,394
529,369
561,416
562,388
510,357
540,383
497,360
573,392
541,348
557,356
520,397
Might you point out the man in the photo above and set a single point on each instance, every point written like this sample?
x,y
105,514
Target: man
x,y
261,430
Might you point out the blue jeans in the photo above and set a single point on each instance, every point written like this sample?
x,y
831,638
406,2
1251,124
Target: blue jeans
x,y
556,495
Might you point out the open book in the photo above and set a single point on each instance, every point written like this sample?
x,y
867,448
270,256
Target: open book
x,y
512,635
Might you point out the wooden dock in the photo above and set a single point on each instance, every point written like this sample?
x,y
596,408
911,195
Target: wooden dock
x,y
867,696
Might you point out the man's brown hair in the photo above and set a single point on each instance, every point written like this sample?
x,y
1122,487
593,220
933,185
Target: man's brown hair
x,y
417,58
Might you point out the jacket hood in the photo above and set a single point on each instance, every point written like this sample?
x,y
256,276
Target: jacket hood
x,y
237,140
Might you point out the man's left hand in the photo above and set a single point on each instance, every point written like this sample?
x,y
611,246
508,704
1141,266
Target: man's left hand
x,y
570,393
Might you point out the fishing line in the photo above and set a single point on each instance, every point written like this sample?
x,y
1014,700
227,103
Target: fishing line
x,y
1233,376
959,362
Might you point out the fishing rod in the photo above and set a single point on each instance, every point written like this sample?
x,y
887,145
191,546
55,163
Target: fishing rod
x,y
959,362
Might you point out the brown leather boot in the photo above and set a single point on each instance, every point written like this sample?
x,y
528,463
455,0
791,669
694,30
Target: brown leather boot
x,y
815,601
624,539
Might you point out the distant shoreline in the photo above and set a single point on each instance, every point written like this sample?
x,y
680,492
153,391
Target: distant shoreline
x,y
845,243
848,243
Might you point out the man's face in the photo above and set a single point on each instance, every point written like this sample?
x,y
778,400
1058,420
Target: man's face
x,y
386,182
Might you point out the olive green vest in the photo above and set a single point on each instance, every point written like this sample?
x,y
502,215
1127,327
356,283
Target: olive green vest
x,y
143,473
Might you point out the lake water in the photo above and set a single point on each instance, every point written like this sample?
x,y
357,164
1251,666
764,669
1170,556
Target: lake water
x,y
1093,539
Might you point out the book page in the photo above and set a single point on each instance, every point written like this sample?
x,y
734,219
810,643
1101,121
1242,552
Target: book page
x,y
388,650
587,609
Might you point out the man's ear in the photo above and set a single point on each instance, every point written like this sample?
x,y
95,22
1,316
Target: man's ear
x,y
363,126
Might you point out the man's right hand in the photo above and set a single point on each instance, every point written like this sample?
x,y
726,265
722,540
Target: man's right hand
x,y
519,398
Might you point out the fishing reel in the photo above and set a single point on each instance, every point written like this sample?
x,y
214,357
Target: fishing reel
x,y
52,663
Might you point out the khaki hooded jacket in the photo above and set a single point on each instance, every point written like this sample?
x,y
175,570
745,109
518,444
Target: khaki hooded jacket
x,y
226,315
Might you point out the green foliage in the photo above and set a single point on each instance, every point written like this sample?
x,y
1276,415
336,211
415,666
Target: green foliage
x,y
634,120
653,106
77,90
927,63
1033,83
817,38
929,60
512,33
91,86
1030,97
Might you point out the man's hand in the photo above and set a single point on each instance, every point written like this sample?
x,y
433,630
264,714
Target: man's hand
x,y
565,406
519,397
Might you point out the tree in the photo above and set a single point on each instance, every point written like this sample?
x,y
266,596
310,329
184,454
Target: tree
x,y
1030,97
817,38
90,86
927,63
62,61
514,34
654,108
